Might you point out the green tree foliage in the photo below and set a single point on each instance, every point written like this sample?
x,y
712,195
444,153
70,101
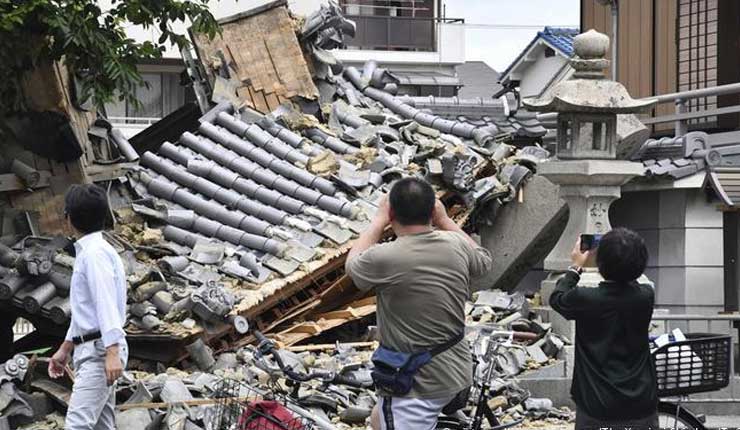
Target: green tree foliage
x,y
90,41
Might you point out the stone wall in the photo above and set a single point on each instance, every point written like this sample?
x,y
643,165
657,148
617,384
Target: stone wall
x,y
683,232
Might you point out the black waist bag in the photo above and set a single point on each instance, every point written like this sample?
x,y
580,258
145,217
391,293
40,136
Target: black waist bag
x,y
394,371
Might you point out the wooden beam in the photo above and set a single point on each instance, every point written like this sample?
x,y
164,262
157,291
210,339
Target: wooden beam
x,y
99,173
11,182
328,346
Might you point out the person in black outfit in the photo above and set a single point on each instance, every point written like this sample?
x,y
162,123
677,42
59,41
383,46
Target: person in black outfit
x,y
614,383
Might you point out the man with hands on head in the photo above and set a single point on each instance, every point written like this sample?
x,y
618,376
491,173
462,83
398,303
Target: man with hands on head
x,y
614,383
422,281
98,304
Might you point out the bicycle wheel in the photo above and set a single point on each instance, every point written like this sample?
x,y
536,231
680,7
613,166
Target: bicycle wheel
x,y
684,420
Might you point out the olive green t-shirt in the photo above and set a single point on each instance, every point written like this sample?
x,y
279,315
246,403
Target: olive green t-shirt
x,y
422,282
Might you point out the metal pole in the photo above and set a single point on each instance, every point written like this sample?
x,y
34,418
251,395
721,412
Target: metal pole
x,y
680,126
615,38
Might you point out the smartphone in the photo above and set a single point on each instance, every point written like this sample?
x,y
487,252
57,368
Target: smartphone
x,y
590,242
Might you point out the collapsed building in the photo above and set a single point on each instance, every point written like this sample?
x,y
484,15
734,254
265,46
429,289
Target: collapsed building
x,y
240,217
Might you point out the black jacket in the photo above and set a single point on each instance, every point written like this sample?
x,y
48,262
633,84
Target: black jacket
x,y
614,376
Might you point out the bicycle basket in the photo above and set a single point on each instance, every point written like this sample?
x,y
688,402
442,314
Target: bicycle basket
x,y
698,364
241,407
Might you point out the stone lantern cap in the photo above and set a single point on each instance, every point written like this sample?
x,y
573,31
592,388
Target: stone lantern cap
x,y
589,91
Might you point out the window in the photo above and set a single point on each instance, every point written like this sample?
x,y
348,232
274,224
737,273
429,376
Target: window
x,y
697,52
401,25
549,52
161,96
427,90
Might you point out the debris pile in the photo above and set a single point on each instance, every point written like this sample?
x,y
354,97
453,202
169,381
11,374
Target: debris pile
x,y
507,341
244,223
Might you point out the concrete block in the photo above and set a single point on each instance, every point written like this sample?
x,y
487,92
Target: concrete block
x,y
523,233
654,274
672,287
532,281
672,247
672,208
547,286
704,247
708,310
556,370
560,325
699,214
636,210
704,286
555,389
568,355
652,242
563,327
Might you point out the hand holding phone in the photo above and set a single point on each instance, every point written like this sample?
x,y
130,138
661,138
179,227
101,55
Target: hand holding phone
x,y
589,242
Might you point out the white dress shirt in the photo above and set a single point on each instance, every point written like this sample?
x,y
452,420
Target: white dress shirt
x,y
98,291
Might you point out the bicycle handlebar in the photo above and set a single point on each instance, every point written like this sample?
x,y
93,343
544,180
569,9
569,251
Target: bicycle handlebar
x,y
266,346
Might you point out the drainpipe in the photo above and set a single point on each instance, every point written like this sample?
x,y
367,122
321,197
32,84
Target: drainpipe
x,y
614,4
615,38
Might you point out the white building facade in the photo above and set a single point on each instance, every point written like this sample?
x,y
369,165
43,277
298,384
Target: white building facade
x,y
411,38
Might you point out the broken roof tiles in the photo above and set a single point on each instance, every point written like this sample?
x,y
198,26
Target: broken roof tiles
x,y
694,152
264,205
519,125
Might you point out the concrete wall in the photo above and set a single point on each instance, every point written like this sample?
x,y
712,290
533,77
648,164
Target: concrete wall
x,y
536,77
683,233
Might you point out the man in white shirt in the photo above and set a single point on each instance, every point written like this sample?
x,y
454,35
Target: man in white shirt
x,y
98,302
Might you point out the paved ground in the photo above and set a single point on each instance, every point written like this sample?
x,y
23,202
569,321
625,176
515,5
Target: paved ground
x,y
732,422
713,422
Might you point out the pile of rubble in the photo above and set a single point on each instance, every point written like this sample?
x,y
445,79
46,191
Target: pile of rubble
x,y
244,222
507,339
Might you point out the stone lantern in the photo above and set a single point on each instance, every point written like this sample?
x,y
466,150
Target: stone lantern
x,y
586,169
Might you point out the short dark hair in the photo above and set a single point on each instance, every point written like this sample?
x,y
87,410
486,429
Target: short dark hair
x,y
87,207
622,255
412,201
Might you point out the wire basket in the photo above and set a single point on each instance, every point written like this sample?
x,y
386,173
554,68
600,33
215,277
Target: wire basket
x,y
241,407
698,364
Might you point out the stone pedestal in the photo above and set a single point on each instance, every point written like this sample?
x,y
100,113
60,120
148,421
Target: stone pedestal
x,y
589,187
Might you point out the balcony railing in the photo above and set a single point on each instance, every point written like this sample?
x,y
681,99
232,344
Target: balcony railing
x,y
396,33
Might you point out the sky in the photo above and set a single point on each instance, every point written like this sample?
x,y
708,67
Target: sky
x,y
498,47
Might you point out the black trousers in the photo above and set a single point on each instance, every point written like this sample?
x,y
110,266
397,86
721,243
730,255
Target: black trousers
x,y
7,320
585,422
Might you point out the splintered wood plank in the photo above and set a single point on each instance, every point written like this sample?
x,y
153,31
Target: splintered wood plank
x,y
306,328
272,102
259,101
245,96
266,55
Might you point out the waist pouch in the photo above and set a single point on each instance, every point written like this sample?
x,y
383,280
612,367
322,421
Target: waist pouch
x,y
394,371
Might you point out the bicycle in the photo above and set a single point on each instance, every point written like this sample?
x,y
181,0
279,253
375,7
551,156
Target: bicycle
x,y
484,387
295,379
701,363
